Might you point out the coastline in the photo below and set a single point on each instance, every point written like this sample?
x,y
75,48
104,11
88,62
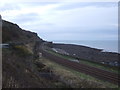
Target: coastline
x,y
105,45
88,53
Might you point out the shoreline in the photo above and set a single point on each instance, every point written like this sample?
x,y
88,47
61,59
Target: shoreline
x,y
88,53
92,44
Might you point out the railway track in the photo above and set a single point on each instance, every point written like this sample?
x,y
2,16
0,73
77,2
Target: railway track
x,y
95,72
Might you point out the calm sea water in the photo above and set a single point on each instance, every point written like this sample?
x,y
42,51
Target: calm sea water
x,y
107,45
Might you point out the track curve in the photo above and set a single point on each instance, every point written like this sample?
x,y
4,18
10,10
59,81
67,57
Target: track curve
x,y
95,72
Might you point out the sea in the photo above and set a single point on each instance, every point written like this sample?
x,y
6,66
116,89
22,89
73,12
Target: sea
x,y
106,45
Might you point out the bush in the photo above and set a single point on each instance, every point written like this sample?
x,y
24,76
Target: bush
x,y
22,51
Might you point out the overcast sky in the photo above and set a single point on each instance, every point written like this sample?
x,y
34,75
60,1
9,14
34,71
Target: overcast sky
x,y
65,20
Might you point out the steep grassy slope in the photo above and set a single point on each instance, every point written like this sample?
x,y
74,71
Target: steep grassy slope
x,y
19,69
20,65
13,33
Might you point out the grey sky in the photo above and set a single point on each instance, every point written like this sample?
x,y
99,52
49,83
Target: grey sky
x,y
65,20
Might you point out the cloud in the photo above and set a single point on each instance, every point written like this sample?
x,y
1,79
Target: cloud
x,y
8,6
26,18
77,36
34,4
71,5
66,20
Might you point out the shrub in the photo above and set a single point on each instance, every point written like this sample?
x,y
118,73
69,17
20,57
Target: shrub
x,y
22,51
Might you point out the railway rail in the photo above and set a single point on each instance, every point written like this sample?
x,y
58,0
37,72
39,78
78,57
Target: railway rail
x,y
95,72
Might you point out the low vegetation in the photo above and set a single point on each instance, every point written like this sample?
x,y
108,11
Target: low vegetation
x,y
22,51
93,64
22,71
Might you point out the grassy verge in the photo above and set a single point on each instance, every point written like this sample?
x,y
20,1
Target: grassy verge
x,y
86,62
76,79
